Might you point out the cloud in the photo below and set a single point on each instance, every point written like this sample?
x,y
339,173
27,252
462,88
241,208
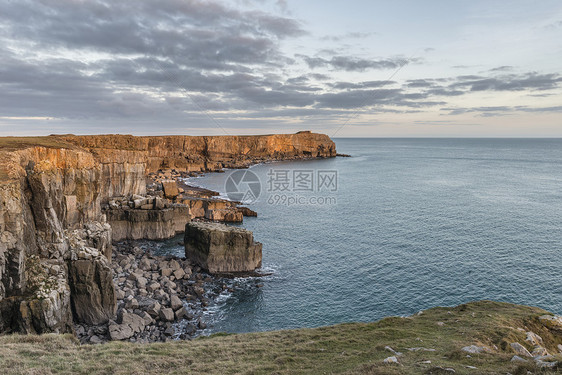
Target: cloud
x,y
502,68
347,36
359,85
511,82
178,62
354,64
501,110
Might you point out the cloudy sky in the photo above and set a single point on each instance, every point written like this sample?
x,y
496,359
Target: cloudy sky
x,y
345,68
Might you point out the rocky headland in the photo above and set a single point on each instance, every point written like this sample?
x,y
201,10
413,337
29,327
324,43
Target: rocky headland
x,y
70,207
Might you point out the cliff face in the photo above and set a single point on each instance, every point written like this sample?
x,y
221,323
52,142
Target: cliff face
x,y
54,238
203,153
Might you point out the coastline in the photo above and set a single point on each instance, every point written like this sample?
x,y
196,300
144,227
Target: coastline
x,y
441,324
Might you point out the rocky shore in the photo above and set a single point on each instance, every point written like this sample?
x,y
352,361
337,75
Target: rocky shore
x,y
154,294
65,199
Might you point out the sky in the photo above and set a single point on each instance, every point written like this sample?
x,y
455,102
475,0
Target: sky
x,y
353,68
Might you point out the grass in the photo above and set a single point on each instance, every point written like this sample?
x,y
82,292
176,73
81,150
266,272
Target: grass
x,y
18,143
357,348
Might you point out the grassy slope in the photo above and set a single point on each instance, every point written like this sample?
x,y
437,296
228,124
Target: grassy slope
x,y
356,348
17,143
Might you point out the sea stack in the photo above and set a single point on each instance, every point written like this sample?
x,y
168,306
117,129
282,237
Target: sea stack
x,y
220,248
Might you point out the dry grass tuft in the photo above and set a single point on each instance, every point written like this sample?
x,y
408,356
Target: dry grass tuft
x,y
357,348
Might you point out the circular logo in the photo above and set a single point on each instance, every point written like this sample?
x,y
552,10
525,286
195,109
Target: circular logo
x,y
243,186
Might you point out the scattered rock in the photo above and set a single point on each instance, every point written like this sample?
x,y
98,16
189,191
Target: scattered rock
x,y
520,349
552,321
175,303
544,364
392,351
516,358
534,339
473,349
167,314
392,359
170,189
539,351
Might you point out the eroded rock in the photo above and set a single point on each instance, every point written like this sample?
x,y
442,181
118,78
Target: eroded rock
x,y
93,292
219,248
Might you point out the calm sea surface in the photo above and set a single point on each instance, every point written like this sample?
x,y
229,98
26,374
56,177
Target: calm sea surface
x,y
413,223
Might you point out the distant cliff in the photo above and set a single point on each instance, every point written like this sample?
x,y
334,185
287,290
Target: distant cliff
x,y
54,238
205,153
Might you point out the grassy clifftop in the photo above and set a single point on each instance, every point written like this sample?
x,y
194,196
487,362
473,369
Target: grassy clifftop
x,y
430,342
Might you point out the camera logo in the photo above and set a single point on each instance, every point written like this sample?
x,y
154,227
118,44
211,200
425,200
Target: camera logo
x,y
243,186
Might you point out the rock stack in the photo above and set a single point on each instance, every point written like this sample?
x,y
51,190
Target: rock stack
x,y
219,248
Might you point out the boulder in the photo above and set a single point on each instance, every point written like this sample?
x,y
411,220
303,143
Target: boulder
x,y
553,322
392,359
170,188
520,350
534,339
167,315
175,303
128,326
474,349
154,309
181,313
219,248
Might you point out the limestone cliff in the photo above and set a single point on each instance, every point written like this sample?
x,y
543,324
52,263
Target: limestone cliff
x,y
219,248
54,237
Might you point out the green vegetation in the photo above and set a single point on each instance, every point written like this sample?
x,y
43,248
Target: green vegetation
x,y
357,348
17,143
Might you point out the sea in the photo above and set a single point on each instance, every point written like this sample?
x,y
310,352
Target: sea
x,y
401,226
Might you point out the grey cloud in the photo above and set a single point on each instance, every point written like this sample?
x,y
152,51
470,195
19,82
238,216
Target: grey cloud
x,y
502,68
353,64
420,83
487,111
379,97
360,85
439,91
501,110
557,108
350,35
357,98
529,81
319,76
183,30
174,60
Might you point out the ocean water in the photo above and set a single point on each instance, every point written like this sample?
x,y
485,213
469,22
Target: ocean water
x,y
412,224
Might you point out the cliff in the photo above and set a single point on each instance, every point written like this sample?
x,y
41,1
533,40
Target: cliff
x,y
55,242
